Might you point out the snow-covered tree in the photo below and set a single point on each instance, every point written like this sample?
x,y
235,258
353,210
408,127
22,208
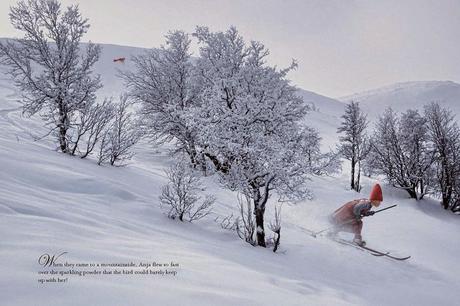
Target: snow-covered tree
x,y
368,164
181,195
162,83
418,155
90,126
383,142
249,114
353,142
230,110
444,134
455,201
53,74
121,135
327,163
401,151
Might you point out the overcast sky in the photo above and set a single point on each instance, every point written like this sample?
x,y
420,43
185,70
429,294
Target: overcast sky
x,y
342,46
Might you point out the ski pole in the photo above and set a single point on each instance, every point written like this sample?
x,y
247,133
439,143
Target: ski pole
x,y
385,208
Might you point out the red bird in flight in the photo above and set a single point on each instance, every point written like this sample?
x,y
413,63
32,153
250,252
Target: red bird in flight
x,y
120,59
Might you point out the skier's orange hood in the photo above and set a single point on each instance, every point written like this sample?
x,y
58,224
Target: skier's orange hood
x,y
376,193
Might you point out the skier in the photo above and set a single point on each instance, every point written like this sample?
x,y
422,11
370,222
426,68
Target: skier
x,y
348,217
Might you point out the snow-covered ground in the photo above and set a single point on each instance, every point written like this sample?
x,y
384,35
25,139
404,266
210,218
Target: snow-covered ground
x,y
53,203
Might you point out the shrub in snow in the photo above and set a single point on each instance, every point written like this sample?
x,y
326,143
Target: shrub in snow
x,y
327,164
181,195
275,227
120,136
91,126
52,73
227,222
245,224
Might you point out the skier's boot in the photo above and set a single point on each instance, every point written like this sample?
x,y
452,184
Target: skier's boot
x,y
359,240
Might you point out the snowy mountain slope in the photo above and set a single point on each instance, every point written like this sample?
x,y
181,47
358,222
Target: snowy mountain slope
x,y
322,104
53,203
113,85
50,202
106,67
402,96
326,110
325,115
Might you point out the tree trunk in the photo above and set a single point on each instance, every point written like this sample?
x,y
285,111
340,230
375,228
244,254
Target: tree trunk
x,y
62,128
221,167
445,202
259,212
277,241
62,139
445,182
260,200
193,157
353,165
358,179
412,193
203,164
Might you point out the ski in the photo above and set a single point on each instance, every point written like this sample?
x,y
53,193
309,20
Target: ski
x,y
363,248
372,251
386,254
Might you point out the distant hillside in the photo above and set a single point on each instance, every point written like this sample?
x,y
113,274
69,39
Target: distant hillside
x,y
326,113
106,67
325,117
401,96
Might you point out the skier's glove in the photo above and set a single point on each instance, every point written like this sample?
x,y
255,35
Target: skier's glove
x,y
369,213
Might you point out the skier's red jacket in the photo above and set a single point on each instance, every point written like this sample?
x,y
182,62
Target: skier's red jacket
x,y
351,210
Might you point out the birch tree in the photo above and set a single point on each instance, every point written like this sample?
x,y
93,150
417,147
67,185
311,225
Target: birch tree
x,y
401,151
162,83
251,118
354,145
53,74
121,135
444,133
227,108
